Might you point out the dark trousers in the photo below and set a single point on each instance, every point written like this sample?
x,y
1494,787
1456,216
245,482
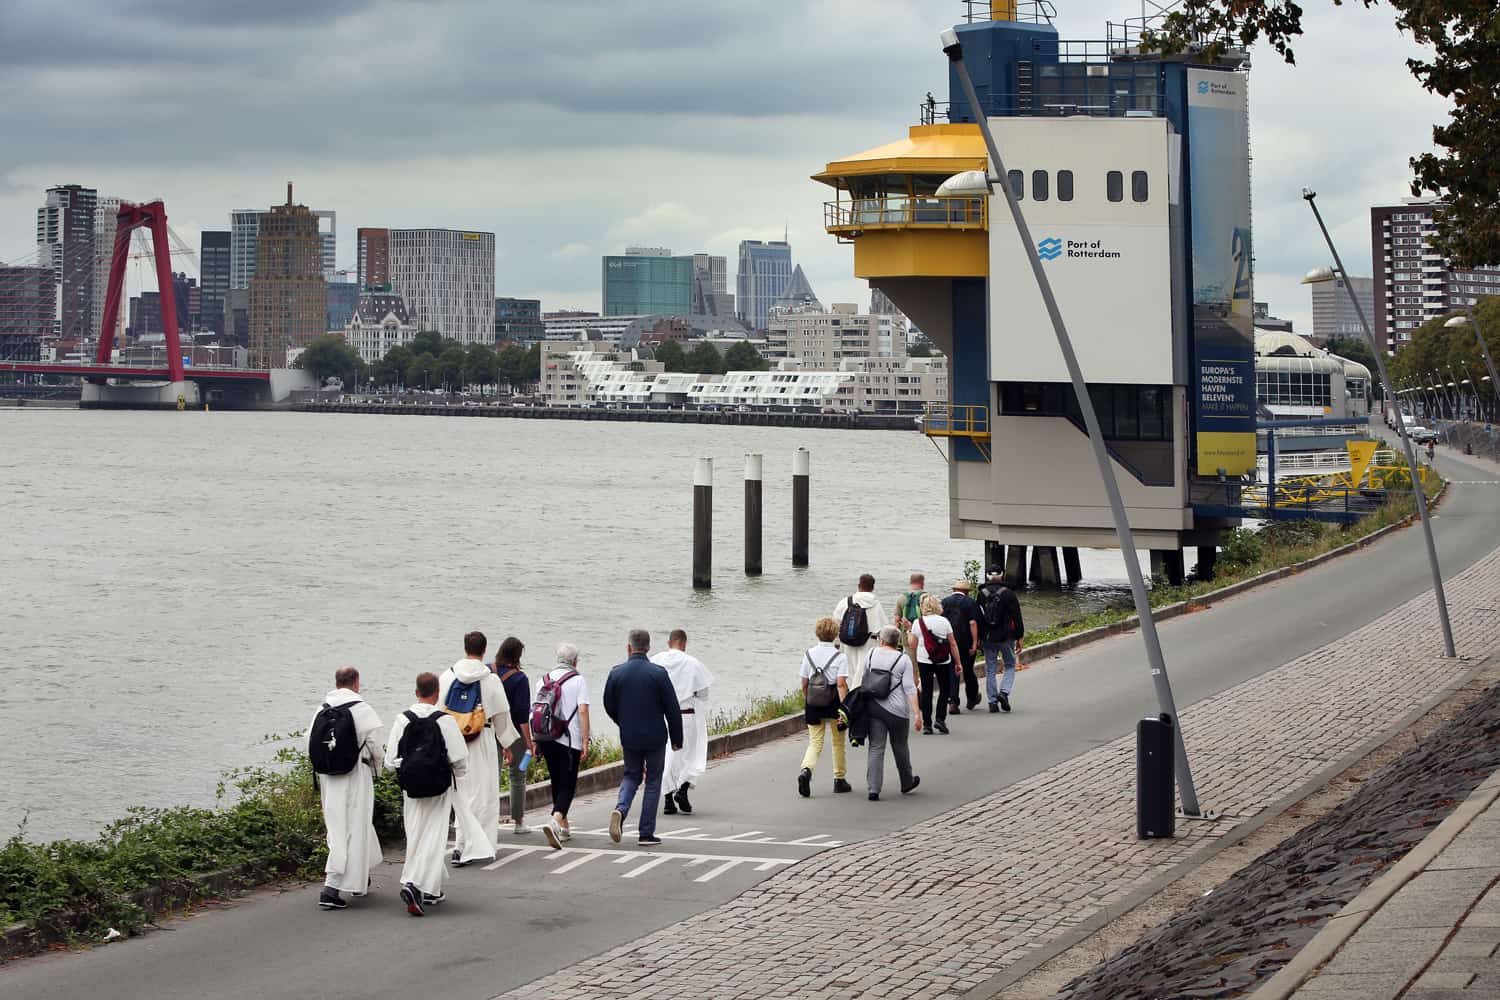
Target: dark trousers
x,y
885,727
936,680
562,766
649,763
971,682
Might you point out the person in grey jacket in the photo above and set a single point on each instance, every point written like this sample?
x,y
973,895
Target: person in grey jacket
x,y
639,697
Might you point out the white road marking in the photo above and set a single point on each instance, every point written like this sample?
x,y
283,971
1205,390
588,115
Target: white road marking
x,y
575,857
820,841
643,869
584,857
520,852
716,872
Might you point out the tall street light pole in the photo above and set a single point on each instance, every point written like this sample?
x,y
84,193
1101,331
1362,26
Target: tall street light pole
x,y
1469,320
1325,274
954,51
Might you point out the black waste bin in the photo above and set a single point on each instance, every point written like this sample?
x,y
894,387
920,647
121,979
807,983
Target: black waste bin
x,y
1155,778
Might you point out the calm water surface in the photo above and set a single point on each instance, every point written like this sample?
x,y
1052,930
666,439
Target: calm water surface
x,y
179,586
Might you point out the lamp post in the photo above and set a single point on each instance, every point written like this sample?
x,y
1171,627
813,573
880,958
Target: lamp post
x,y
1322,274
970,184
1469,320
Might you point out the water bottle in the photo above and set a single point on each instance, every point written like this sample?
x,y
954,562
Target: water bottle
x,y
525,760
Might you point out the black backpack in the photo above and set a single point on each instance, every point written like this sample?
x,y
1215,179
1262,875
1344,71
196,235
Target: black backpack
x,y
992,612
425,771
880,682
854,630
333,743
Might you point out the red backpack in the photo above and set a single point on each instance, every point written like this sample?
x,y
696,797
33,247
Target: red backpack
x,y
937,649
546,724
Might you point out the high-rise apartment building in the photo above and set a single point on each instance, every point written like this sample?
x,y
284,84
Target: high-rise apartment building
x,y
711,296
288,296
106,224
188,301
1333,314
815,337
213,272
1412,282
65,243
646,281
447,279
373,265
519,320
28,310
328,240
244,232
765,269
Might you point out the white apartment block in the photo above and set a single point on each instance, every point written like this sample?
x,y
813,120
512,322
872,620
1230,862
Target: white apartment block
x,y
447,277
379,322
827,338
1412,282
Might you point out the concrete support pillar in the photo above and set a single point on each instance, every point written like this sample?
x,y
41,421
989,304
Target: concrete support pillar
x,y
1167,563
1071,567
1044,570
1208,557
1015,565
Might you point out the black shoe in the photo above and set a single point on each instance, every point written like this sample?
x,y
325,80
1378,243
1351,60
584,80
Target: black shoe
x,y
804,783
942,727
330,899
683,805
1005,703
953,709
458,860
840,786
972,705
874,796
649,841
668,805
916,780
994,708
412,898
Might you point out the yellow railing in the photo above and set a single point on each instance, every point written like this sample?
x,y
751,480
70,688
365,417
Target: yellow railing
x,y
904,212
958,420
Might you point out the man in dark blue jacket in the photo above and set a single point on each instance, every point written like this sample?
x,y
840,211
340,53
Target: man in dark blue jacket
x,y
639,697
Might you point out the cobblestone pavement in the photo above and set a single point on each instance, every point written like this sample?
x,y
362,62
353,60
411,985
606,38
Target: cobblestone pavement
x,y
1437,937
938,908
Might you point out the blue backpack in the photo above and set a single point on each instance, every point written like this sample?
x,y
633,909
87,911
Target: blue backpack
x,y
466,707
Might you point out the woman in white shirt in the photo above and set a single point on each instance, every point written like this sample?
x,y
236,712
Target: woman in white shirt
x,y
825,678
939,673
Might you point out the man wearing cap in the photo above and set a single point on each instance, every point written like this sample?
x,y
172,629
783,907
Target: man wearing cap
x,y
1000,633
963,614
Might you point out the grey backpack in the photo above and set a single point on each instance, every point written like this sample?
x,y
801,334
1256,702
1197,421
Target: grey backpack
x,y
820,693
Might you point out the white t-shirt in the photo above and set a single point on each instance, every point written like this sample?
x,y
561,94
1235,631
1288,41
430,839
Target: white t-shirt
x,y
827,657
940,628
574,693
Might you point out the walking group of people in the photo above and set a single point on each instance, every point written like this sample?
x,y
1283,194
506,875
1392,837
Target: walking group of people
x,y
447,749
872,678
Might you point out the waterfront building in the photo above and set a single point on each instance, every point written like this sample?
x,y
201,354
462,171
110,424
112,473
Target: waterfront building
x,y
797,295
518,320
65,243
764,270
342,298
28,311
1294,378
1333,314
1263,320
1412,282
373,267
237,315
378,323
244,233
106,225
447,278
811,335
1133,173
711,295
213,273
585,372
563,326
647,281
288,296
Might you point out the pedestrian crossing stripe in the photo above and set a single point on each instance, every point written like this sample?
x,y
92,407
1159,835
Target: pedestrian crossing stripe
x,y
816,840
573,858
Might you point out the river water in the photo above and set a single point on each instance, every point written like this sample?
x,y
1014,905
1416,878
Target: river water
x,y
180,586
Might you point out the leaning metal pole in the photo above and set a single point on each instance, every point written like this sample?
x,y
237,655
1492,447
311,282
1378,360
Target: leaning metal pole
x,y
1411,457
1485,350
954,50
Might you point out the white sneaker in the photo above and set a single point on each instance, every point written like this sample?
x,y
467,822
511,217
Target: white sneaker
x,y
554,839
520,829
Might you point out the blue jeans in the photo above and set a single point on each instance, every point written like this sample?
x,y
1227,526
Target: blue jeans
x,y
651,762
993,652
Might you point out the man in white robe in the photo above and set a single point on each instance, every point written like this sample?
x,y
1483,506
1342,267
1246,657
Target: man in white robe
x,y
426,819
479,786
349,800
874,617
691,680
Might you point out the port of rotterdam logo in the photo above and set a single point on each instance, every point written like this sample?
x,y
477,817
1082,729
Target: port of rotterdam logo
x,y
1052,248
1049,248
1203,87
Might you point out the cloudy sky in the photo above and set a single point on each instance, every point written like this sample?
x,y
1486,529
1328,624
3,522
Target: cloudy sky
x,y
571,130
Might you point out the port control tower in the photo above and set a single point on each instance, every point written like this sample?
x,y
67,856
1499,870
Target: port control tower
x,y
1133,170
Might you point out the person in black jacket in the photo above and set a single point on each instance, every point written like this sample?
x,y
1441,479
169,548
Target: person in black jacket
x,y
1001,629
639,697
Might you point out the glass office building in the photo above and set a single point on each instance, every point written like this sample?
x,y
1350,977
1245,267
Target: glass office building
x,y
641,285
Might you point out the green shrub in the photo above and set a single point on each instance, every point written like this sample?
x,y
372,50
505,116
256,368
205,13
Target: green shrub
x,y
1241,547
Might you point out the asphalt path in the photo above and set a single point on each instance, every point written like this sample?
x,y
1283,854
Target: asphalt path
x,y
535,910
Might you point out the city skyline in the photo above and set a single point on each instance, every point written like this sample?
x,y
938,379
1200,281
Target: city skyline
x,y
697,160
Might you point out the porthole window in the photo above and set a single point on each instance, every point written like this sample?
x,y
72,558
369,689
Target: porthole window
x,y
1065,185
1139,189
1039,185
1017,181
1114,185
